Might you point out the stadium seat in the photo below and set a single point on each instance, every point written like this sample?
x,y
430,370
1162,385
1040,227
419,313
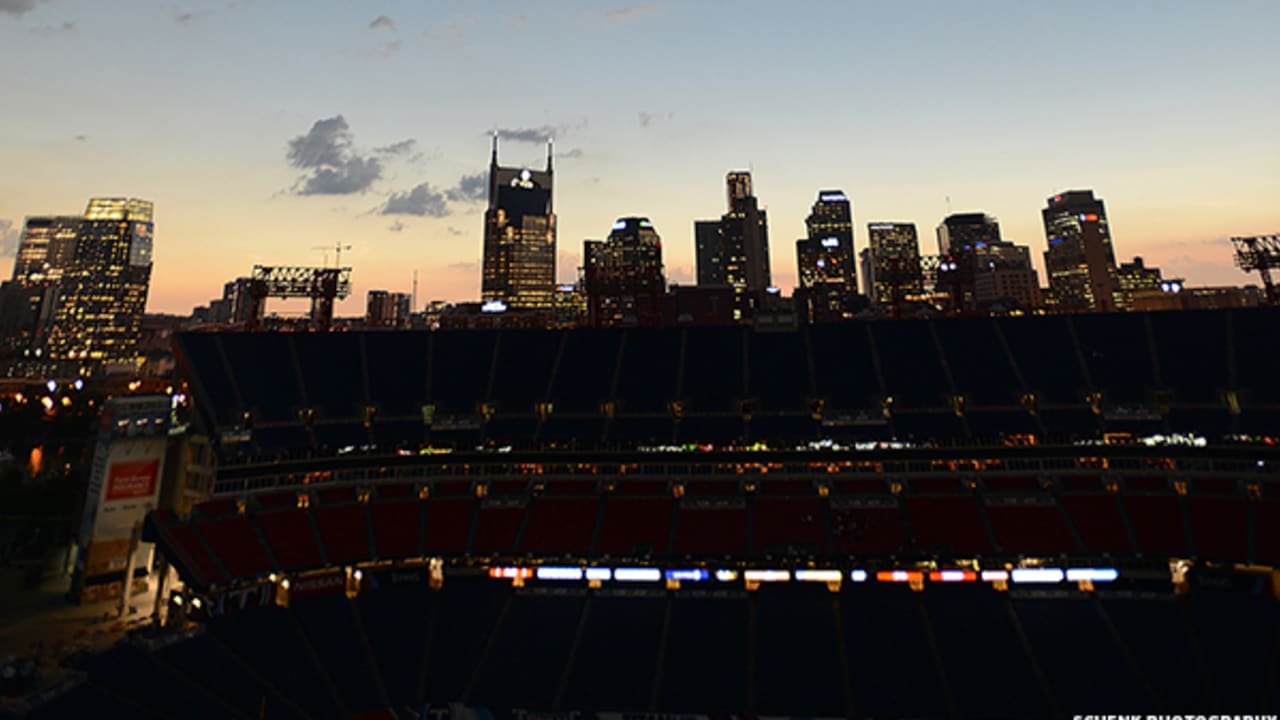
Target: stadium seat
x,y
1157,523
883,627
1030,525
1097,518
1083,660
584,377
335,632
716,529
945,525
399,394
235,541
705,666
560,526
987,668
468,613
529,654
789,527
911,366
522,375
844,373
617,655
778,378
634,526
713,379
460,365
397,619
650,367
334,375
448,525
344,532
396,528
797,652
291,538
497,528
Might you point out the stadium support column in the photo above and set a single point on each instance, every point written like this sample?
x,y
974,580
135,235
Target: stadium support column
x,y
134,537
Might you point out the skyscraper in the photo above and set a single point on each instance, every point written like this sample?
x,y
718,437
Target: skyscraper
x,y
519,237
960,236
962,232
825,265
1080,260
894,262
1004,275
709,246
739,251
45,252
623,276
103,294
47,248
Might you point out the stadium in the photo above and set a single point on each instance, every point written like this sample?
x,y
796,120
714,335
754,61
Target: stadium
x,y
946,518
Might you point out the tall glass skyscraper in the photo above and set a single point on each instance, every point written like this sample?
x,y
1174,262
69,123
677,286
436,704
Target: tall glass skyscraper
x,y
1080,259
893,262
623,276
738,253
825,261
47,248
519,237
103,294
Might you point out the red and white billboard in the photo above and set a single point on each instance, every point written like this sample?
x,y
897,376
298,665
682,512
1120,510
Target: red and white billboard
x,y
132,479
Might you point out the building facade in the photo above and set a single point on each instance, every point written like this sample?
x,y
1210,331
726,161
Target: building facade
x,y
385,309
623,276
1004,276
738,254
47,248
1080,259
960,237
892,267
1134,278
103,293
519,267
710,253
826,268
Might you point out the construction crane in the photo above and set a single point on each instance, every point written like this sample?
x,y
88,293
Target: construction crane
x,y
337,249
1260,253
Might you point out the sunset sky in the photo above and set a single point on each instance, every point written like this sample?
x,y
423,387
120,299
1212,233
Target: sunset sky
x,y
262,129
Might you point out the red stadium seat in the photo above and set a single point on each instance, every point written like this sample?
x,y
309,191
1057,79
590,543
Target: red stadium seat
x,y
1221,527
236,542
710,530
1031,528
790,522
448,524
395,528
291,538
1157,524
344,532
497,528
953,522
560,525
1097,518
630,524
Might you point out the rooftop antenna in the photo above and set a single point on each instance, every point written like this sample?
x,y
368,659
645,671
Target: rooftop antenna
x,y
415,293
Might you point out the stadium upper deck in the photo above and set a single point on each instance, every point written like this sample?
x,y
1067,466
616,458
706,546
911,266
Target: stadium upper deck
x,y
980,381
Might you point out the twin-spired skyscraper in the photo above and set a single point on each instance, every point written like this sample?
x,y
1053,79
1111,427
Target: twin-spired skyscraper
x,y
519,268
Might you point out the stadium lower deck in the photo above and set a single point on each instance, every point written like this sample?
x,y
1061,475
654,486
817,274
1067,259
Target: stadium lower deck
x,y
1030,517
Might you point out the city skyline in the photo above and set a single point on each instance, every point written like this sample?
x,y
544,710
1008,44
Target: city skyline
x,y
1162,110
